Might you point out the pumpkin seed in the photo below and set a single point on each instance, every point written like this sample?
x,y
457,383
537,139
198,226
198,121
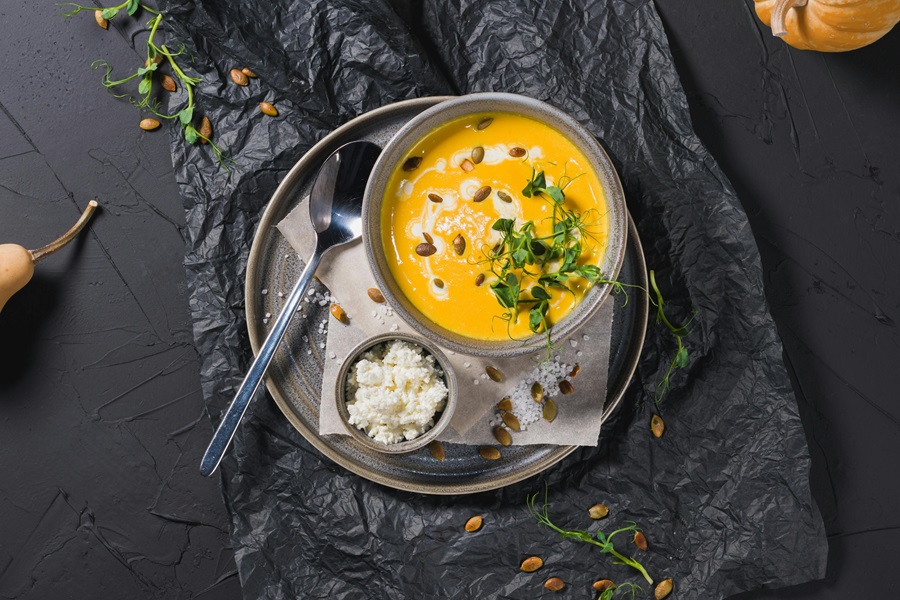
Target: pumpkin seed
x,y
575,370
338,313
482,193
663,589
502,436
425,249
494,373
376,295
168,83
149,124
549,410
238,77
477,154
428,237
474,524
412,163
101,21
435,198
640,540
466,165
439,283
489,453
505,404
437,450
657,426
565,386
517,152
537,392
598,511
205,130
479,279
267,108
511,420
485,123
601,585
248,73
459,244
554,584
531,564
504,196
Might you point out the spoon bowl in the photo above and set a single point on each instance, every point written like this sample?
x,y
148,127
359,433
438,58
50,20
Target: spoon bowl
x,y
335,210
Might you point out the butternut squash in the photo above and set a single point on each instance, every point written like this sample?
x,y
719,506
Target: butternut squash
x,y
17,263
829,25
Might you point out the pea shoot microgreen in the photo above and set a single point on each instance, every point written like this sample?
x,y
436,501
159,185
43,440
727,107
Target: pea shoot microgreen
x,y
157,54
625,588
680,360
599,539
527,266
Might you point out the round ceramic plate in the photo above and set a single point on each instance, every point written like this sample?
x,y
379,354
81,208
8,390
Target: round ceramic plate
x,y
295,376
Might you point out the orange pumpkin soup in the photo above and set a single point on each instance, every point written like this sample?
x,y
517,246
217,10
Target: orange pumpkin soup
x,y
458,221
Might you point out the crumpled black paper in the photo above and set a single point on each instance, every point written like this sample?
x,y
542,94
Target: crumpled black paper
x,y
723,497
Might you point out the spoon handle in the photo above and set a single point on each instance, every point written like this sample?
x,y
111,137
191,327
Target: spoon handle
x,y
235,412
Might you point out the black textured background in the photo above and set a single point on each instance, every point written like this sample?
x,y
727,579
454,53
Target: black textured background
x,y
101,410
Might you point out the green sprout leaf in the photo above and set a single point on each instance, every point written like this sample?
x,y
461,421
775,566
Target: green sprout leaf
x,y
133,6
556,193
190,134
146,84
110,13
185,115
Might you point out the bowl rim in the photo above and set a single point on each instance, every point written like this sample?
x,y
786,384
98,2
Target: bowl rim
x,y
340,393
409,135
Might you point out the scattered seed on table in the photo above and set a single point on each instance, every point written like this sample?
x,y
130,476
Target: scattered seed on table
x,y
168,83
531,564
657,426
640,540
437,450
149,124
489,453
663,589
268,109
238,77
474,524
554,584
205,130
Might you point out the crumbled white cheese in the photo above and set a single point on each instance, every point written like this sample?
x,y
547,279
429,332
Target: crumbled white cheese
x,y
394,392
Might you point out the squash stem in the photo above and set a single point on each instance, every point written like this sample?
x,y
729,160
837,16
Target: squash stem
x,y
779,12
42,253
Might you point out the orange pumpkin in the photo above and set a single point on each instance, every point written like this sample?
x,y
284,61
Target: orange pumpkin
x,y
829,25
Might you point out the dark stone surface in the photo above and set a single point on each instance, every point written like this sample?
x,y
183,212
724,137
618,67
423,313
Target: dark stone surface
x,y
101,418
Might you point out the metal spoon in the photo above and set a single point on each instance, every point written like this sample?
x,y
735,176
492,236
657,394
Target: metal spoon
x,y
335,209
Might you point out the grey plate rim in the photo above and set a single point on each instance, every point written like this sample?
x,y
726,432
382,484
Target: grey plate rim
x,y
267,224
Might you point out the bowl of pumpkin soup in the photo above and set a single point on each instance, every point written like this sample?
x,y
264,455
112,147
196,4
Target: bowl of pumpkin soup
x,y
495,224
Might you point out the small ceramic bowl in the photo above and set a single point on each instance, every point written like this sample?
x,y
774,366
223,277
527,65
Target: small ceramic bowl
x,y
397,149
442,420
